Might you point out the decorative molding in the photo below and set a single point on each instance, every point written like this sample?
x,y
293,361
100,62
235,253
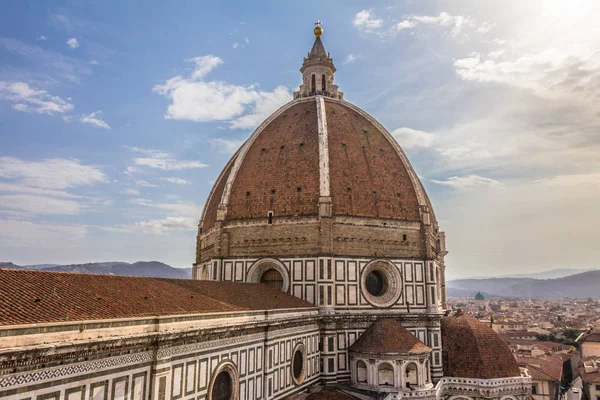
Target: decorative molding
x,y
75,369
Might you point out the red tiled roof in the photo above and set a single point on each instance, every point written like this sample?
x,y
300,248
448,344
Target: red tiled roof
x,y
36,297
543,368
593,336
593,377
388,336
470,349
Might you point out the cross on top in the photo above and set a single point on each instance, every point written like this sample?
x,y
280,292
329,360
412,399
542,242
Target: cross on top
x,y
318,23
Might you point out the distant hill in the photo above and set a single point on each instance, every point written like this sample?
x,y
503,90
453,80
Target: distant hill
x,y
40,266
154,269
575,286
551,274
4,264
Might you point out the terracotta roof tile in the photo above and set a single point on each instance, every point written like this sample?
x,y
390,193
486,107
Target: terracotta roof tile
x,y
280,171
471,349
36,297
543,368
367,176
388,336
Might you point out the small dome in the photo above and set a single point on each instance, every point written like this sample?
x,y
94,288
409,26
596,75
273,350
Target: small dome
x,y
388,336
471,349
479,296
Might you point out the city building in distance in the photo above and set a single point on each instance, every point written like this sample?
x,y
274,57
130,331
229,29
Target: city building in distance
x,y
319,275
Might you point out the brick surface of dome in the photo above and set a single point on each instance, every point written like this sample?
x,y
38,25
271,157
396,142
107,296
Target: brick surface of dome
x,y
279,169
471,349
388,336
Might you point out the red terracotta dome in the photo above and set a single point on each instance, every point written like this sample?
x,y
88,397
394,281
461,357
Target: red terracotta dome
x,y
388,336
312,150
471,349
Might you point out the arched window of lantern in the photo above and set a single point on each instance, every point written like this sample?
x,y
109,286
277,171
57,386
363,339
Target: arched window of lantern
x,y
412,375
323,83
361,372
313,87
385,375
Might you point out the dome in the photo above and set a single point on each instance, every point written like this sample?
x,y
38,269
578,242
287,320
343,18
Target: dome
x,y
318,176
479,296
279,168
388,336
471,349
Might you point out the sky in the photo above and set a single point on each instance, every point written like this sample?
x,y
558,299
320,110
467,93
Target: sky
x,y
116,117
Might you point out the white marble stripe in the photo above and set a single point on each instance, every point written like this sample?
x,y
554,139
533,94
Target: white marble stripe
x,y
323,148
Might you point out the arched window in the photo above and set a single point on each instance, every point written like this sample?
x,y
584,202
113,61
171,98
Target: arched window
x,y
361,372
223,387
385,375
412,377
323,83
313,87
272,278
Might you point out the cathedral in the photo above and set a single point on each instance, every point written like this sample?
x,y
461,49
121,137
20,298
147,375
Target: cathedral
x,y
319,274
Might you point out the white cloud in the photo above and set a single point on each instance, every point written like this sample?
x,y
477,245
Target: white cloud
x,y
262,105
44,65
32,204
130,170
469,181
550,73
485,27
168,164
350,58
178,181
204,64
194,99
28,235
42,38
496,53
175,209
584,180
94,119
21,188
406,24
143,183
456,23
364,20
94,62
73,43
55,173
131,192
160,226
235,45
226,146
150,152
411,138
25,98
38,188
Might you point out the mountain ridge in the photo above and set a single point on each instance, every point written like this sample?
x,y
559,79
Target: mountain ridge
x,y
580,285
154,269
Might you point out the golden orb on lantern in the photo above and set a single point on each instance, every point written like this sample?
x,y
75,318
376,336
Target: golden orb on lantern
x,y
318,30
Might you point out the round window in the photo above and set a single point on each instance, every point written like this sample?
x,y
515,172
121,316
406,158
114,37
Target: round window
x,y
223,387
272,278
381,283
299,364
376,283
